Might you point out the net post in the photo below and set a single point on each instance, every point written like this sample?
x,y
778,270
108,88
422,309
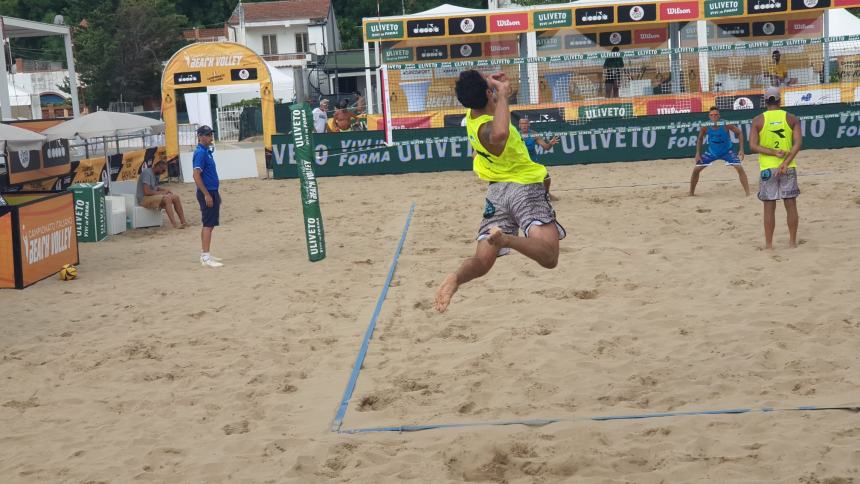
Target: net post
x,y
386,106
300,114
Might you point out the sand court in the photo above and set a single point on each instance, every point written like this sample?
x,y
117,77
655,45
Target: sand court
x,y
151,368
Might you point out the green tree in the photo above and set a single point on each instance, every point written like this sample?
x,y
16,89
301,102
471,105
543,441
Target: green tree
x,y
120,48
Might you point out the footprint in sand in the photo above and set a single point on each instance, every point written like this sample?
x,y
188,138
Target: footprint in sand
x,y
275,448
240,427
373,402
586,294
466,408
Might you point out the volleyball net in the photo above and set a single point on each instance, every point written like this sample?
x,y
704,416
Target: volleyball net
x,y
576,88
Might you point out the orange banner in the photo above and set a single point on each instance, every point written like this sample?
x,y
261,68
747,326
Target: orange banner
x,y
90,170
131,164
7,261
48,237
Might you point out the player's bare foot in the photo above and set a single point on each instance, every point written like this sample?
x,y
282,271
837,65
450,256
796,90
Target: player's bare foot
x,y
446,292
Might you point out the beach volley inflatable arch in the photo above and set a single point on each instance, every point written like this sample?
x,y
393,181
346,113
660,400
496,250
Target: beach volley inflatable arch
x,y
207,64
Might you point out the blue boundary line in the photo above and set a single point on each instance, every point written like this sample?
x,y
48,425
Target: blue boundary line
x,y
362,352
606,418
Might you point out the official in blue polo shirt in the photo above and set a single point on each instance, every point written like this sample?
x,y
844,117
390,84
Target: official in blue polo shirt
x,y
206,178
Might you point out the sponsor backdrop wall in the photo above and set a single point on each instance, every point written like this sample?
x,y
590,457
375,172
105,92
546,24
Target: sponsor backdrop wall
x,y
653,137
118,167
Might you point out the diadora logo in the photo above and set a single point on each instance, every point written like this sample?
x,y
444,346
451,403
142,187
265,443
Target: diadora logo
x,y
427,29
768,5
598,15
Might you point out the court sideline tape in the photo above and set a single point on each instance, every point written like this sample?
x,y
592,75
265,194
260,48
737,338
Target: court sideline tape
x,y
362,352
642,416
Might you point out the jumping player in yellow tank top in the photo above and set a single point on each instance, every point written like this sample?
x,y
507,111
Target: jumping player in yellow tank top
x,y
516,198
776,136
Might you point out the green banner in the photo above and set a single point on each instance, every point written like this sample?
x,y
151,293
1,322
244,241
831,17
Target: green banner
x,y
723,8
400,54
598,141
384,30
553,19
304,156
548,43
90,218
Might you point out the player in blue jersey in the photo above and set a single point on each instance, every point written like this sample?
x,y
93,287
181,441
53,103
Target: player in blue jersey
x,y
720,147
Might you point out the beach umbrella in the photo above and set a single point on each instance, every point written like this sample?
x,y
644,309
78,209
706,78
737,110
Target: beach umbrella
x,y
102,124
17,139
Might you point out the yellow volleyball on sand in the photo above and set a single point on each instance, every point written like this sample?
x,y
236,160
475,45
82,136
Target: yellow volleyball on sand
x,y
68,272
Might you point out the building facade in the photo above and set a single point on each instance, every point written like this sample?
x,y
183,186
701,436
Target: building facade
x,y
295,36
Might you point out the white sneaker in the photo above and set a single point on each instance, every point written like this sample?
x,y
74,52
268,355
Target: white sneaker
x,y
210,262
216,259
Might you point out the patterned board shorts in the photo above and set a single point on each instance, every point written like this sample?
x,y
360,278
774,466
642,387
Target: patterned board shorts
x,y
513,207
778,187
731,158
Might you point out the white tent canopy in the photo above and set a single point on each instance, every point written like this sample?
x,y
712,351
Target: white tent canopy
x,y
842,22
282,86
104,123
446,9
19,139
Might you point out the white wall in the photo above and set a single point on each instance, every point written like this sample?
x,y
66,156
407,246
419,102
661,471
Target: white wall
x,y
39,82
316,40
286,37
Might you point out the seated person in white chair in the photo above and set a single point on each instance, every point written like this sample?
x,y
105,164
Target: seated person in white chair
x,y
777,73
150,195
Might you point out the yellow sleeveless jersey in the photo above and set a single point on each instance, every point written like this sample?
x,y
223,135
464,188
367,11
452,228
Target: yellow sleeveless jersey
x,y
775,134
513,165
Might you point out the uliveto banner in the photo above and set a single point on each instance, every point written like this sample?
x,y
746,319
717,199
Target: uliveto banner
x,y
599,141
304,154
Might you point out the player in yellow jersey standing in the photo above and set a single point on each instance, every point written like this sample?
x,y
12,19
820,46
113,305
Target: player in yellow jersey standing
x,y
516,198
776,136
